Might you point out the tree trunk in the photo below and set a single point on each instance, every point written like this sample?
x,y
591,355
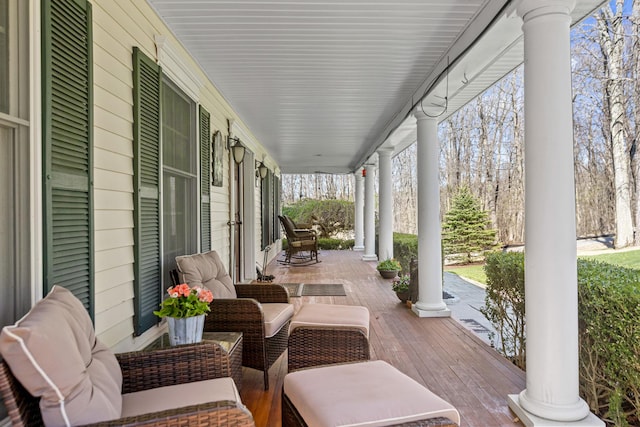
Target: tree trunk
x,y
612,45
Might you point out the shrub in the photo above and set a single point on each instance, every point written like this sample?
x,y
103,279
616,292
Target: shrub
x,y
504,303
405,248
329,215
331,244
609,314
327,244
609,331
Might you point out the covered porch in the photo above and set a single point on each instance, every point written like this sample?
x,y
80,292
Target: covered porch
x,y
437,352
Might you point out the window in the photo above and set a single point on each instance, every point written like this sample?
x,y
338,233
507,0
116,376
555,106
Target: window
x,y
166,170
179,177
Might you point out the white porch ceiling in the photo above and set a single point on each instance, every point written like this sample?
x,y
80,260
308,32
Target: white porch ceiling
x,y
323,83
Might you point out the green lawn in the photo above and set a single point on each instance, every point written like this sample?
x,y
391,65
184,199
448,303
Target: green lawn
x,y
629,259
474,272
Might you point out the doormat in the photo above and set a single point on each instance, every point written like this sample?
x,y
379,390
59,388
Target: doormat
x,y
332,289
292,288
314,289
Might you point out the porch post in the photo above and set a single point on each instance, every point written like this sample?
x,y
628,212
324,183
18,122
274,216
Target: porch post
x,y
358,222
430,303
369,215
550,228
385,230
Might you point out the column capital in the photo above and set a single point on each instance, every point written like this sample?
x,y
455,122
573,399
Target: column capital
x,y
420,114
358,174
384,151
528,9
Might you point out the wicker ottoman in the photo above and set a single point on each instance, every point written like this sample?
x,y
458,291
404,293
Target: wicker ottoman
x,y
321,334
358,394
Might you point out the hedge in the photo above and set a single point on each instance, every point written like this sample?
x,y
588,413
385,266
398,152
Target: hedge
x,y
609,330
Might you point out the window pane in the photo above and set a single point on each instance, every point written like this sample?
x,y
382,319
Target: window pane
x,y
178,121
4,56
179,191
179,219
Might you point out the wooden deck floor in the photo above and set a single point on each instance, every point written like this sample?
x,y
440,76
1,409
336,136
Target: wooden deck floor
x,y
439,353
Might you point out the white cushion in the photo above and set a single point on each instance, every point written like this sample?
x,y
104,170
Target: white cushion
x,y
178,396
275,316
332,315
54,353
368,394
206,270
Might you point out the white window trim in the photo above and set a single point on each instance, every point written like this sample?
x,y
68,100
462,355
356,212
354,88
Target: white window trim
x,y
177,68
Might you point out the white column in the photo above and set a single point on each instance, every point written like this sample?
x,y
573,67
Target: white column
x,y
369,215
430,303
358,222
385,202
550,228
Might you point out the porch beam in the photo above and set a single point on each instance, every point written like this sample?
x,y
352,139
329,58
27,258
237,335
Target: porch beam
x,y
551,292
358,222
430,303
369,214
385,230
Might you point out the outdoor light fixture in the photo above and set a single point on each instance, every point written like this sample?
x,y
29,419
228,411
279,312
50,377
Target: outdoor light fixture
x,y
237,149
261,170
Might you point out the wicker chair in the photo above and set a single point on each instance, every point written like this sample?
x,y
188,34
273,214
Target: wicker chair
x,y
299,241
241,308
145,370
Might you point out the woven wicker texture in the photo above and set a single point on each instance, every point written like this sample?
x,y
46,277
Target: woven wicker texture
x,y
143,370
244,314
291,418
313,346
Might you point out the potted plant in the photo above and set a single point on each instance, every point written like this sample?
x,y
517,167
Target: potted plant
x,y
389,268
400,286
185,309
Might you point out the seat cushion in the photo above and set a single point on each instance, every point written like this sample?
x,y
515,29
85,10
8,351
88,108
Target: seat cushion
x,y
206,270
332,315
178,396
362,394
276,315
54,353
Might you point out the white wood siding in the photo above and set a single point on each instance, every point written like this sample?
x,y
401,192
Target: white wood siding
x,y
118,26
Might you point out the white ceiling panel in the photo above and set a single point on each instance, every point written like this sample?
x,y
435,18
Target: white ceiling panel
x,y
322,83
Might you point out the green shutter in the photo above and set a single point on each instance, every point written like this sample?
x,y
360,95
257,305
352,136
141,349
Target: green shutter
x,y
147,79
205,180
276,210
267,209
67,139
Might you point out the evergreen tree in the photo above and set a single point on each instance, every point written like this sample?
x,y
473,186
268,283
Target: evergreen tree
x,y
466,227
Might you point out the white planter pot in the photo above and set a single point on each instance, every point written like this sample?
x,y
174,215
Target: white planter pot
x,y
187,330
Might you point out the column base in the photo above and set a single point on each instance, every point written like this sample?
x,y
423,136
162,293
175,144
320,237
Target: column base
x,y
369,257
530,420
421,312
358,248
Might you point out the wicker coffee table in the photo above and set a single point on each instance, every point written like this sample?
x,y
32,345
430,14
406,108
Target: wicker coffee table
x,y
231,343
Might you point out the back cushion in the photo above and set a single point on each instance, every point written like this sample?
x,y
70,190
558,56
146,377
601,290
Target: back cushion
x,y
206,270
54,353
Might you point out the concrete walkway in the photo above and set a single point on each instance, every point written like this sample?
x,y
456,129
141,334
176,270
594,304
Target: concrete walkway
x,y
465,304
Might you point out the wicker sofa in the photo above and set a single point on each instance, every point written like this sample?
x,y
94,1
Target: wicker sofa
x,y
54,371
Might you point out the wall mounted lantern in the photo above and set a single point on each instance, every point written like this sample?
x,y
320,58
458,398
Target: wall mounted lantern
x,y
236,147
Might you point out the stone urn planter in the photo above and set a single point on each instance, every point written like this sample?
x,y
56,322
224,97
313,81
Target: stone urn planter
x,y
403,296
389,268
388,274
